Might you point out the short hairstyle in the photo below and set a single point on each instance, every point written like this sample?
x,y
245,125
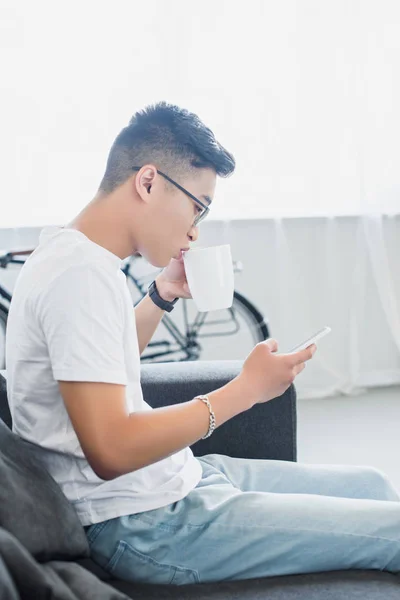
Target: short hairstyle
x,y
173,139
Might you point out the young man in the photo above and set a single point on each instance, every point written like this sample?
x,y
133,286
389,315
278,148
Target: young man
x,y
153,512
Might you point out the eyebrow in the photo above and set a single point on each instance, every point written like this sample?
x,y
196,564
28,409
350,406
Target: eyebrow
x,y
206,198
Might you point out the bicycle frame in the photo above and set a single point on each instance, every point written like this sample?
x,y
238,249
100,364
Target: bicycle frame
x,y
4,294
4,262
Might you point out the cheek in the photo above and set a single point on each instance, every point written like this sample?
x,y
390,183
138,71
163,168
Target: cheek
x,y
170,226
163,216
178,215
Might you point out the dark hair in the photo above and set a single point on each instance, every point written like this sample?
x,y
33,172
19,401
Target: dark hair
x,y
172,138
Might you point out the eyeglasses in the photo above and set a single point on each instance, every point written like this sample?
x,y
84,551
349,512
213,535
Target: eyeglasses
x,y
204,209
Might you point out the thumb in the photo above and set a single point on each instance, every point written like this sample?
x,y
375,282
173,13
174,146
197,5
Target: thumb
x,y
186,288
272,344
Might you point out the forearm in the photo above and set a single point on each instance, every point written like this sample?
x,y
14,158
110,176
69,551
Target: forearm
x,y
147,437
148,317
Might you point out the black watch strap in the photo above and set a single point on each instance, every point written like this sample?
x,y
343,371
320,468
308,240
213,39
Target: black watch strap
x,y
158,301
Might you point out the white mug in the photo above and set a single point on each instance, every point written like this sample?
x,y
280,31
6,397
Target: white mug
x,y
209,273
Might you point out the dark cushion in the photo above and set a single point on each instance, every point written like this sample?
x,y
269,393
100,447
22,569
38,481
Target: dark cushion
x,y
32,506
4,409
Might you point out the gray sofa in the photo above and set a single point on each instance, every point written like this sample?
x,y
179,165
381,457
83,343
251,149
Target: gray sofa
x,y
267,431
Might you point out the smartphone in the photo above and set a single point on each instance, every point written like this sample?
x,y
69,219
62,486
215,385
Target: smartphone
x,y
317,336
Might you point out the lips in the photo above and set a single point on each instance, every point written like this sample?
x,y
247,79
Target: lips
x,y
179,256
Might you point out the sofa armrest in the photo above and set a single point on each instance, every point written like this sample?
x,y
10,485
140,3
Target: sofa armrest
x,y
266,431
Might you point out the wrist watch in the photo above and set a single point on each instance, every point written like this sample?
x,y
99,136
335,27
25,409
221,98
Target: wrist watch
x,y
158,301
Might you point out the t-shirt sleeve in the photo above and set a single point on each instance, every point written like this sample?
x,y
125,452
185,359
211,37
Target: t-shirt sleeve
x,y
82,318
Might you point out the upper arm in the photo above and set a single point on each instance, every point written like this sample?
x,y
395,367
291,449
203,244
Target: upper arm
x,y
82,320
81,316
97,412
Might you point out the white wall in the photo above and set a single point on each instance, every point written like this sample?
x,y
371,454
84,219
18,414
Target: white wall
x,y
304,93
303,274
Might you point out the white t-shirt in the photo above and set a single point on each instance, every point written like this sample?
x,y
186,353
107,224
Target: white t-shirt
x,y
72,319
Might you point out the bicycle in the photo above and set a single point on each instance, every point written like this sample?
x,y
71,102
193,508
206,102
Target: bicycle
x,y
5,299
183,335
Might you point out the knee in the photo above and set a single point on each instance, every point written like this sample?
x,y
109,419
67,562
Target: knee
x,y
378,483
376,475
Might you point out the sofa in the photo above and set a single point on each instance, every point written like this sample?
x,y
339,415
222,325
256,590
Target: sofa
x,y
41,527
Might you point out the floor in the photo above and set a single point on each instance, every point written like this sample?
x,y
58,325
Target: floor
x,y
361,430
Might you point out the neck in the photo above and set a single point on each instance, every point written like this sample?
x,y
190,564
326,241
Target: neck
x,y
102,221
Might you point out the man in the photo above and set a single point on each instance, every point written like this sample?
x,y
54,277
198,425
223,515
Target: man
x,y
153,512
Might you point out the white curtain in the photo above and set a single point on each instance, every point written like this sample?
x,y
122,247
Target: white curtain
x,y
305,273
349,283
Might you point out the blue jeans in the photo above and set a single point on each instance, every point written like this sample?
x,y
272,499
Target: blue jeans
x,y
258,518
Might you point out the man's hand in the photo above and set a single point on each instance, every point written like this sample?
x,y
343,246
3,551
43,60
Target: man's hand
x,y
172,282
266,375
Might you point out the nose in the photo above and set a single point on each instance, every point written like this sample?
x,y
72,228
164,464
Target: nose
x,y
193,233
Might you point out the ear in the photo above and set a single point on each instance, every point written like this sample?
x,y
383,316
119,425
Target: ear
x,y
144,181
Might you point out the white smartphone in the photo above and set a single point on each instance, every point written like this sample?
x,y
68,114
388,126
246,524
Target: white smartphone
x,y
317,336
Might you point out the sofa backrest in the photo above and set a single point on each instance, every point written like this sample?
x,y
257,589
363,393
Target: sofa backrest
x,y
32,505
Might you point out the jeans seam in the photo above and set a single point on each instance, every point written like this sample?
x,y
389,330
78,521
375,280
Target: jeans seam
x,y
150,560
295,529
115,557
185,570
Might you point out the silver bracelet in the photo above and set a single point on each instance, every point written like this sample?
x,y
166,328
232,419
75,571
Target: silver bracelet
x,y
213,423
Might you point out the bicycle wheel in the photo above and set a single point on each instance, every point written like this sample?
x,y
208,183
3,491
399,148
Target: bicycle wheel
x,y
231,333
226,334
3,325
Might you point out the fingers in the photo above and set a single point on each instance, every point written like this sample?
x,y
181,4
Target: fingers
x,y
301,357
304,355
298,369
272,344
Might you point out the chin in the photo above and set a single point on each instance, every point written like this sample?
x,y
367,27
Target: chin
x,y
158,264
157,260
